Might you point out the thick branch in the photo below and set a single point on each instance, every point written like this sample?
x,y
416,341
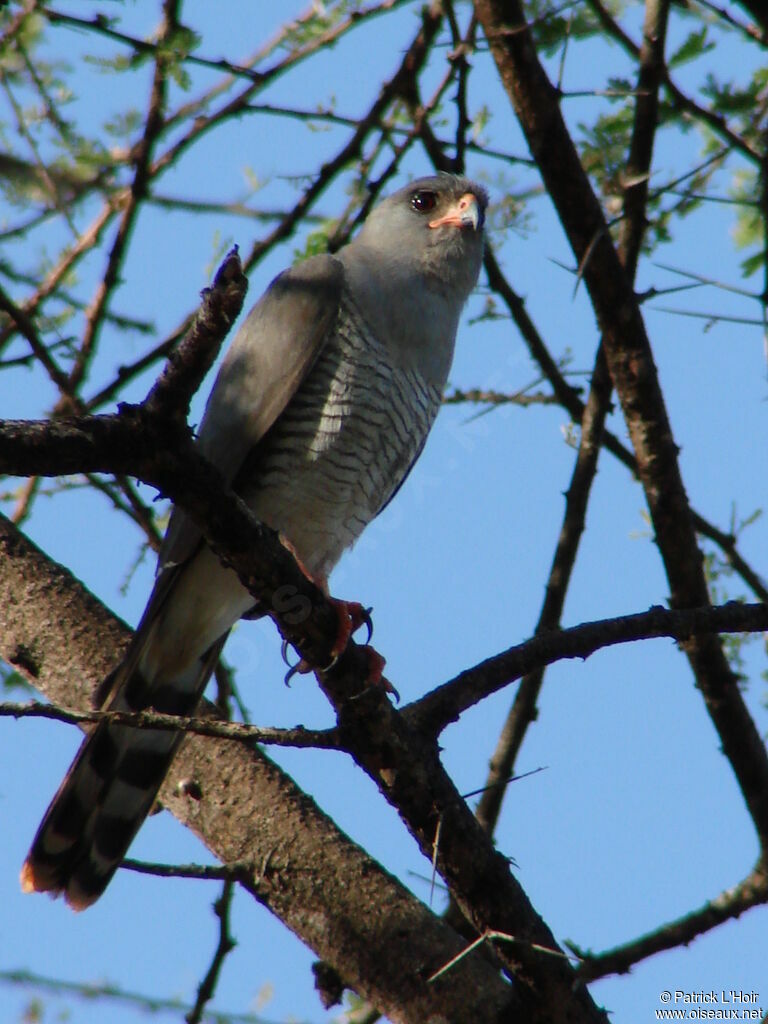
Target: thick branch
x,y
635,179
322,886
446,703
404,765
635,379
568,398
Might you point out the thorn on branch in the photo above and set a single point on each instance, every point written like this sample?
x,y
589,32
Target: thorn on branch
x,y
491,935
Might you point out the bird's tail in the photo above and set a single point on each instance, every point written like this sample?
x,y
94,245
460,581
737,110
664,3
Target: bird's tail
x,y
112,783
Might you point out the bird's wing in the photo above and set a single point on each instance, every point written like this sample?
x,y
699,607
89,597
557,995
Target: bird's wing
x,y
271,355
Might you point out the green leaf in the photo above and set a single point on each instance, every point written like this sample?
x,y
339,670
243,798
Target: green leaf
x,y
12,681
752,264
316,243
694,46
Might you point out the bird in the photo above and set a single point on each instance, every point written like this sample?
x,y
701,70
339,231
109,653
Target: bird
x,y
321,406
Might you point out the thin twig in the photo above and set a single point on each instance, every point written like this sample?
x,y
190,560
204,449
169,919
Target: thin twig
x,y
200,872
91,991
224,947
142,175
327,739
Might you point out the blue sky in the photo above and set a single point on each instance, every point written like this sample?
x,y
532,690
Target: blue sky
x,y
636,818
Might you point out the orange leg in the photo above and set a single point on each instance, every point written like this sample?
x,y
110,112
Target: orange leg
x,y
351,615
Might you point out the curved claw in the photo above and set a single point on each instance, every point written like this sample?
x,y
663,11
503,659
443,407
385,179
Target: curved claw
x,y
351,616
299,668
294,670
331,664
375,678
358,616
367,621
389,688
284,652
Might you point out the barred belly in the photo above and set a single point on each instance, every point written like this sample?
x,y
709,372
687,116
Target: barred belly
x,y
342,447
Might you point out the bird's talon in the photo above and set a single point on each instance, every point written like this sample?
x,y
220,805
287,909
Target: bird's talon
x,y
301,667
376,675
352,616
358,616
331,664
381,684
292,671
367,621
284,652
389,688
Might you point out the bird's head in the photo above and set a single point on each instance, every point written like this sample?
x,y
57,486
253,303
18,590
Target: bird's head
x,y
432,228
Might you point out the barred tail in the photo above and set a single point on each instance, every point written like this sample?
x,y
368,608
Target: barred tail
x,y
110,787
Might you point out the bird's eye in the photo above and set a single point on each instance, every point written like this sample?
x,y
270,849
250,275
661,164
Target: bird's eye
x,y
423,201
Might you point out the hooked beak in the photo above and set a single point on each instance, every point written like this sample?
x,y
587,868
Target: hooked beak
x,y
465,213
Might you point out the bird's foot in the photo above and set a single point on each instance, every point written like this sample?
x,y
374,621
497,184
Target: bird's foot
x,y
375,676
352,616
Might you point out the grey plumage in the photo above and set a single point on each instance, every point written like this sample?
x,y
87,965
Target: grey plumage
x,y
322,404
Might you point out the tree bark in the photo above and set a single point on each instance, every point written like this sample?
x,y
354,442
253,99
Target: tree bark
x,y
381,940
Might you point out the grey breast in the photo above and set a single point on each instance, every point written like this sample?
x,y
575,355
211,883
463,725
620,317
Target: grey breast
x,y
342,446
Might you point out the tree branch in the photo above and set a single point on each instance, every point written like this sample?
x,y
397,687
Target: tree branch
x,y
635,179
224,947
378,935
189,362
730,904
153,124
635,379
443,705
757,10
570,400
404,765
203,724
